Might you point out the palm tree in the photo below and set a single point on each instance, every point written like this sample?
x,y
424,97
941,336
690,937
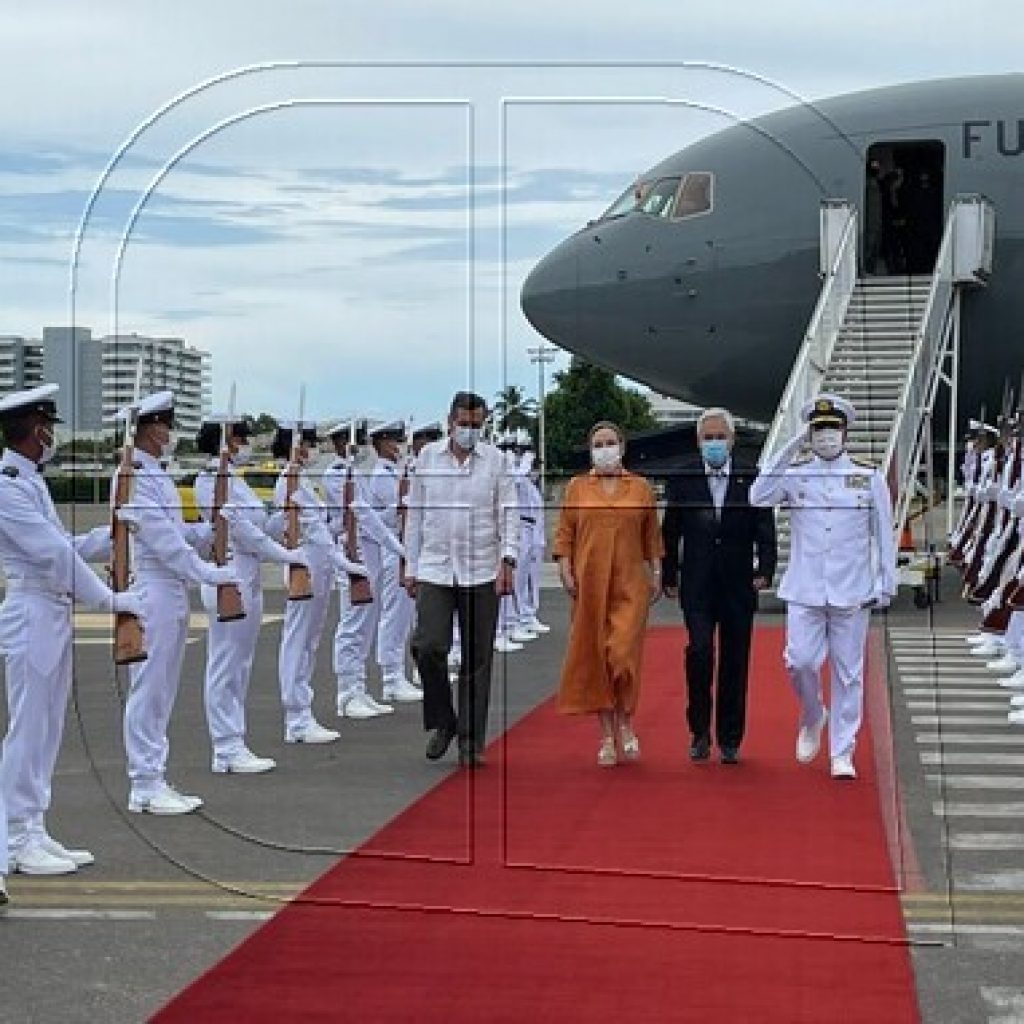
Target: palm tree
x,y
514,411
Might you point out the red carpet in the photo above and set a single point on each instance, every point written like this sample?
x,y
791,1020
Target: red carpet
x,y
660,891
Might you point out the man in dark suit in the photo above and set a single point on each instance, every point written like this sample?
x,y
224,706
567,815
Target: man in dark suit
x,y
728,555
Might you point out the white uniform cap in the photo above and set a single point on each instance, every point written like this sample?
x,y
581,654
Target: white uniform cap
x,y
161,401
394,429
523,439
828,410
40,400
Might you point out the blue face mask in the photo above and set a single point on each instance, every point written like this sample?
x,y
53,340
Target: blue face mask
x,y
715,453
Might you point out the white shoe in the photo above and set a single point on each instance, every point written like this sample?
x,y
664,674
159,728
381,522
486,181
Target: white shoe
x,y
1007,664
1016,717
808,740
1014,682
537,626
242,762
361,705
400,689
312,733
842,767
521,635
165,800
504,645
415,679
992,649
1017,700
80,858
977,638
34,859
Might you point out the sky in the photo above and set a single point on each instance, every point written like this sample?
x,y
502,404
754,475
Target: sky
x,y
349,197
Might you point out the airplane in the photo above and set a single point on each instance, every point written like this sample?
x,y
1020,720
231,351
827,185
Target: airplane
x,y
700,280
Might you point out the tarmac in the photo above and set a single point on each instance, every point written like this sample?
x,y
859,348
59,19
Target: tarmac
x,y
168,897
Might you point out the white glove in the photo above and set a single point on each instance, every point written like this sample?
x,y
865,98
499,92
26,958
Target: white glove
x,y
295,557
128,603
1017,508
216,576
129,515
342,563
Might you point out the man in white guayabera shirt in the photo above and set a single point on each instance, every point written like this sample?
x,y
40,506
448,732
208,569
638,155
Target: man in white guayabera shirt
x,y
462,539
842,564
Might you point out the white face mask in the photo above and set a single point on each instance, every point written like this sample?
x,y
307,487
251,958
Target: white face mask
x,y
827,443
243,456
606,457
167,450
466,437
49,450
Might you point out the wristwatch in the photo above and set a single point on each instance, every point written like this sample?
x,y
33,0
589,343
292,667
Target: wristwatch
x,y
510,562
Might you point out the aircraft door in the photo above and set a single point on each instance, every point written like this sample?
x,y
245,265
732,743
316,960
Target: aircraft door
x,y
903,209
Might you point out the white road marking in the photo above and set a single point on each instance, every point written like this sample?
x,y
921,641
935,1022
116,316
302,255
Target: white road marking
x,y
239,915
928,739
955,781
984,842
956,809
1006,760
959,705
69,914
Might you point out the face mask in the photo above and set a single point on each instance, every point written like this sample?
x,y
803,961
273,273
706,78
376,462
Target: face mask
x,y
827,444
49,450
167,449
466,437
243,456
606,457
715,453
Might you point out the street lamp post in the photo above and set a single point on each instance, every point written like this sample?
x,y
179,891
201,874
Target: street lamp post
x,y
541,355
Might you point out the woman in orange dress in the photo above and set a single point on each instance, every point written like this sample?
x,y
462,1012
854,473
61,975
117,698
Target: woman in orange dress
x,y
608,546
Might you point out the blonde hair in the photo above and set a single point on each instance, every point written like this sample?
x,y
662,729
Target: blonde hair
x,y
606,425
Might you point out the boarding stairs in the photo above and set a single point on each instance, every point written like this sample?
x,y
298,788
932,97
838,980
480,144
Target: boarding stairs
x,y
886,344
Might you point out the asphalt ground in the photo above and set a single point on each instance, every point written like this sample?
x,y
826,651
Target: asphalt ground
x,y
168,897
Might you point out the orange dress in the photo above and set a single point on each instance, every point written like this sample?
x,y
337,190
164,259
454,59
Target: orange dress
x,y
607,539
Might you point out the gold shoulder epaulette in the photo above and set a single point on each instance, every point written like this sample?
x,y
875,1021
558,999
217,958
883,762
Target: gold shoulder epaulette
x,y
860,461
11,471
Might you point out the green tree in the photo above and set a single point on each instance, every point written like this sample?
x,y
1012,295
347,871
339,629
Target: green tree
x,y
514,411
264,423
584,394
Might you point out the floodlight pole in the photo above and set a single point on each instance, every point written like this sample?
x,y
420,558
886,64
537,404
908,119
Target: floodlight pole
x,y
541,355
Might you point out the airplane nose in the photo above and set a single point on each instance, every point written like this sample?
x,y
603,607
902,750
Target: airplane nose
x,y
550,295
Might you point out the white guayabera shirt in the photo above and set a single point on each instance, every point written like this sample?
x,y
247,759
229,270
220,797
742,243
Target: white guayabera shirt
x,y
463,518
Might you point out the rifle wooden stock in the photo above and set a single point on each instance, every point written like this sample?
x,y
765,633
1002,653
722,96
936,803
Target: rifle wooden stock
x,y
129,637
359,589
300,583
229,598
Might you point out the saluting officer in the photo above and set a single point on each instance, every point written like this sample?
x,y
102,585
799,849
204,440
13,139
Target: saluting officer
x,y
842,563
231,646
376,514
167,561
45,572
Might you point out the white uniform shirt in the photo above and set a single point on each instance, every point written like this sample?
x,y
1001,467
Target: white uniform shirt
x,y
463,518
36,551
842,549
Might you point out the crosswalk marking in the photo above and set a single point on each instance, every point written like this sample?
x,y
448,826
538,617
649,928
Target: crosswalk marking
x,y
1006,760
957,809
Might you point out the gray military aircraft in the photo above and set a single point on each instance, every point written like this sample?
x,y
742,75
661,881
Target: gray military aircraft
x,y
701,278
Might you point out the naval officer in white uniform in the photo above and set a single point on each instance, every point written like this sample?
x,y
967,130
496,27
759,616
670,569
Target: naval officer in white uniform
x,y
45,573
167,562
842,564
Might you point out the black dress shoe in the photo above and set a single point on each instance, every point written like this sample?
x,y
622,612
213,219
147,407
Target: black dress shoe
x,y
471,759
700,748
439,742
730,755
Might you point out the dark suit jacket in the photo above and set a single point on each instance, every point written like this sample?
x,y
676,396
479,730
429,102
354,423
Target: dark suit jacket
x,y
720,557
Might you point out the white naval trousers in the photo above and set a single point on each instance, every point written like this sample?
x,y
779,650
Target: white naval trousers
x,y
396,615
35,634
230,651
508,615
155,681
528,584
812,633
300,640
1014,638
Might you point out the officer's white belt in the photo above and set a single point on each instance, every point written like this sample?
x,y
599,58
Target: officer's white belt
x,y
16,585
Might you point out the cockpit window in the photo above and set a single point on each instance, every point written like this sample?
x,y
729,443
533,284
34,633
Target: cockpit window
x,y
657,200
626,203
695,195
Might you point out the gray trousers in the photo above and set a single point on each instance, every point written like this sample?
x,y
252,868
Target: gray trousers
x,y
476,609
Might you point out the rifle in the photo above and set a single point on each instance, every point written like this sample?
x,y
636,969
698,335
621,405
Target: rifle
x,y
403,495
129,638
359,589
229,597
300,583
960,538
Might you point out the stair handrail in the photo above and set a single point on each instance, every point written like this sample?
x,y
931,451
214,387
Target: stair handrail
x,y
811,363
931,342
